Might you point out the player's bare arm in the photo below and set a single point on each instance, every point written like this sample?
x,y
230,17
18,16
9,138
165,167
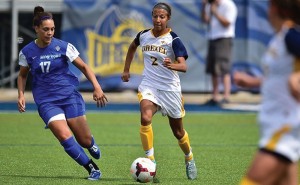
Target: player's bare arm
x,y
294,84
22,78
244,80
98,94
178,65
129,57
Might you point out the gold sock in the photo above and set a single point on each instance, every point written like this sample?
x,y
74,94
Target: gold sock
x,y
146,134
184,144
247,181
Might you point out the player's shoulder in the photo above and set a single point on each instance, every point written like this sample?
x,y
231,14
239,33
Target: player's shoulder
x,y
292,40
173,34
29,45
29,48
144,32
60,42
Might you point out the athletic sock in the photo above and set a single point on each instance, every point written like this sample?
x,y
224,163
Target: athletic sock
x,y
146,134
74,150
247,181
90,165
184,144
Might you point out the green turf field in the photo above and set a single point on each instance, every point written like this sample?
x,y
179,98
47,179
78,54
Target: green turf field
x,y
223,145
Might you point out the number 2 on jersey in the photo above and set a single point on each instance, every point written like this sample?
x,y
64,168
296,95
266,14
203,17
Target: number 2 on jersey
x,y
154,61
45,66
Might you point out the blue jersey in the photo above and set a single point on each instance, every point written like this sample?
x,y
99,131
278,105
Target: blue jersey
x,y
52,78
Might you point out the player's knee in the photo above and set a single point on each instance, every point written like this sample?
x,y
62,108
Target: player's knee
x,y
85,141
178,134
146,119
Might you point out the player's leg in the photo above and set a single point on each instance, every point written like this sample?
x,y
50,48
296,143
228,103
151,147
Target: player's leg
x,y
148,109
75,113
62,132
291,176
148,99
267,168
83,135
54,117
182,136
74,108
184,143
172,105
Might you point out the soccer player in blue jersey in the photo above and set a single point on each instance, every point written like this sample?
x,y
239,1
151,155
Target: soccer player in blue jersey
x,y
164,56
60,105
276,161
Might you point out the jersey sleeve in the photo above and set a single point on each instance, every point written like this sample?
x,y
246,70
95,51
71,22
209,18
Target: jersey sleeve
x,y
179,48
137,39
22,59
292,41
72,53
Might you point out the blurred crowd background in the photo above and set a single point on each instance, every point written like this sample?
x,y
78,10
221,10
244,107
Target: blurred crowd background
x,y
103,29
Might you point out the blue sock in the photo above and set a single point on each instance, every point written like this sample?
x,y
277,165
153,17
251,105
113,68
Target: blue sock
x,y
75,151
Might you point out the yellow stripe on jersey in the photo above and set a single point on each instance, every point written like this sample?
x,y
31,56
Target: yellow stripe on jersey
x,y
297,64
275,138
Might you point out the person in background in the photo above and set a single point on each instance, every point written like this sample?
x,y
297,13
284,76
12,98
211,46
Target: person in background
x,y
60,105
276,161
220,15
160,89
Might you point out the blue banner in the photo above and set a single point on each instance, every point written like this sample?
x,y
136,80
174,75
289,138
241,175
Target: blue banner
x,y
102,31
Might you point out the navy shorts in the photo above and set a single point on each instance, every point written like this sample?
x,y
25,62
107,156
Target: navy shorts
x,y
71,107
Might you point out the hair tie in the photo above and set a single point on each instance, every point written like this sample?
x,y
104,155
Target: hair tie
x,y
45,17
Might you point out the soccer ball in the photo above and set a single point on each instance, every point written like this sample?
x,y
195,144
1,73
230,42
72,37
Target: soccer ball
x,y
143,170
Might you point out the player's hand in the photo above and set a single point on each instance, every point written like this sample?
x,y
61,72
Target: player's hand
x,y
167,63
100,98
125,76
21,104
294,85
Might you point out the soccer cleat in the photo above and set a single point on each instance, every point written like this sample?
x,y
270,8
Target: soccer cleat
x,y
95,175
95,151
191,170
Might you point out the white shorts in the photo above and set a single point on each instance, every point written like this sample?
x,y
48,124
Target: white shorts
x,y
169,102
280,135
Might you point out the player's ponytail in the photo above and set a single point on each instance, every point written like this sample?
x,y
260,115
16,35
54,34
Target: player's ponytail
x,y
40,15
38,10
